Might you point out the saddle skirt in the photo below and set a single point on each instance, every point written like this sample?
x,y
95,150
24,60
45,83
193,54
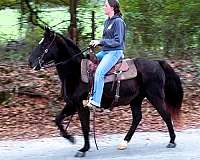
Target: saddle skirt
x,y
126,67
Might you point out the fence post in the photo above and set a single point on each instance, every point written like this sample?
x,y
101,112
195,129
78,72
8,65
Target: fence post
x,y
93,25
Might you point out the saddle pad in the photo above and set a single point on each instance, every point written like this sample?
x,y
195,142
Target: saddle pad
x,y
130,73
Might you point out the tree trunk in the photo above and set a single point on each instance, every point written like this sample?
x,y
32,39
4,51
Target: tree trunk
x,y
72,30
180,44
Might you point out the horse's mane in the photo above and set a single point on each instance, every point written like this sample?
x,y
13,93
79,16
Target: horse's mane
x,y
70,44
71,50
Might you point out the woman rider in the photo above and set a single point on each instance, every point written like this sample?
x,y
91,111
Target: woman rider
x,y
112,43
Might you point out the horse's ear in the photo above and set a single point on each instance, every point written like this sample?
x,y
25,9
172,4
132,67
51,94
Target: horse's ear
x,y
48,32
47,29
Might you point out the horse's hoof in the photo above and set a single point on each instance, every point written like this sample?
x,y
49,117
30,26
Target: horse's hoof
x,y
68,137
80,154
123,145
171,145
72,139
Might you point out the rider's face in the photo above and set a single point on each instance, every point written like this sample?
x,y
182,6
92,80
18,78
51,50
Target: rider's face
x,y
107,8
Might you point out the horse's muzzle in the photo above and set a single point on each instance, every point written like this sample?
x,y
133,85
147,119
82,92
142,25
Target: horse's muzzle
x,y
35,66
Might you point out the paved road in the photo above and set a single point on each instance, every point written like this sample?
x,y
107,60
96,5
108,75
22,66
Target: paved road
x,y
144,146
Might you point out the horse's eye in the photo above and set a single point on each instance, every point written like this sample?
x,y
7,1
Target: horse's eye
x,y
52,34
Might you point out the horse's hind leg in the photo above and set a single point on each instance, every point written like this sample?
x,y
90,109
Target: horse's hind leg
x,y
137,116
67,111
156,98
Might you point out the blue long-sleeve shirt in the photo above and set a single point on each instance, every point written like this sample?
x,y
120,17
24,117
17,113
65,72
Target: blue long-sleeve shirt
x,y
113,34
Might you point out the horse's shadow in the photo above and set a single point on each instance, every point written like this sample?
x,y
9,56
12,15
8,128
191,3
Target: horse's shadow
x,y
135,151
142,148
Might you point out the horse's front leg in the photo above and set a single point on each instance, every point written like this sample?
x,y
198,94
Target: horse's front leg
x,y
68,110
84,115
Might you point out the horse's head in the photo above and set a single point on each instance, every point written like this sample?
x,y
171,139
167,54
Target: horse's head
x,y
52,48
45,51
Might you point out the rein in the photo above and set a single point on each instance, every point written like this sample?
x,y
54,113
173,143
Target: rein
x,y
94,130
49,65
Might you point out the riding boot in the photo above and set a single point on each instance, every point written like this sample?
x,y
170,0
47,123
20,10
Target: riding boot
x,y
92,107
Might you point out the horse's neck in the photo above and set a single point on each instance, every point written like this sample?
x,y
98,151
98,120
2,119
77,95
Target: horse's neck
x,y
69,74
70,71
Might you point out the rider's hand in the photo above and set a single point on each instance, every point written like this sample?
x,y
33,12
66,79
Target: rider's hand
x,y
94,43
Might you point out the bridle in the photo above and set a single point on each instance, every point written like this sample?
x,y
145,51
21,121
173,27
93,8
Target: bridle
x,y
50,63
40,58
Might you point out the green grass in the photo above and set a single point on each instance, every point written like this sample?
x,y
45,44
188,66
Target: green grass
x,y
9,24
9,28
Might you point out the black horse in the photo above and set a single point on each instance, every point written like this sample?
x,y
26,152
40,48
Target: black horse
x,y
155,80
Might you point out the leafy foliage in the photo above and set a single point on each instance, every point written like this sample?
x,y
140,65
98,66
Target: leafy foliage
x,y
155,27
170,26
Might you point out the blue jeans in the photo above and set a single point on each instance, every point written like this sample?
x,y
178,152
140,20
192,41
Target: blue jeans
x,y
107,60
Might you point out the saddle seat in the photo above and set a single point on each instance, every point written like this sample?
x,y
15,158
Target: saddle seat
x,y
125,67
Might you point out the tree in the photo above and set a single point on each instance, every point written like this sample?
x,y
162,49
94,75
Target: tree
x,y
72,31
170,26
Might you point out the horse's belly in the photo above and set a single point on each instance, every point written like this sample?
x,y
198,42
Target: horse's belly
x,y
128,90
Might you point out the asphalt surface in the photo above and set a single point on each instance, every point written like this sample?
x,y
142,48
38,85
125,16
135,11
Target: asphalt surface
x,y
143,146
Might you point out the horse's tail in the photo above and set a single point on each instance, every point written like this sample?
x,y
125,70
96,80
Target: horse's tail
x,y
173,90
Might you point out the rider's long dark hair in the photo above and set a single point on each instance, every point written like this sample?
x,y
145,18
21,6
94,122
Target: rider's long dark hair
x,y
116,6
